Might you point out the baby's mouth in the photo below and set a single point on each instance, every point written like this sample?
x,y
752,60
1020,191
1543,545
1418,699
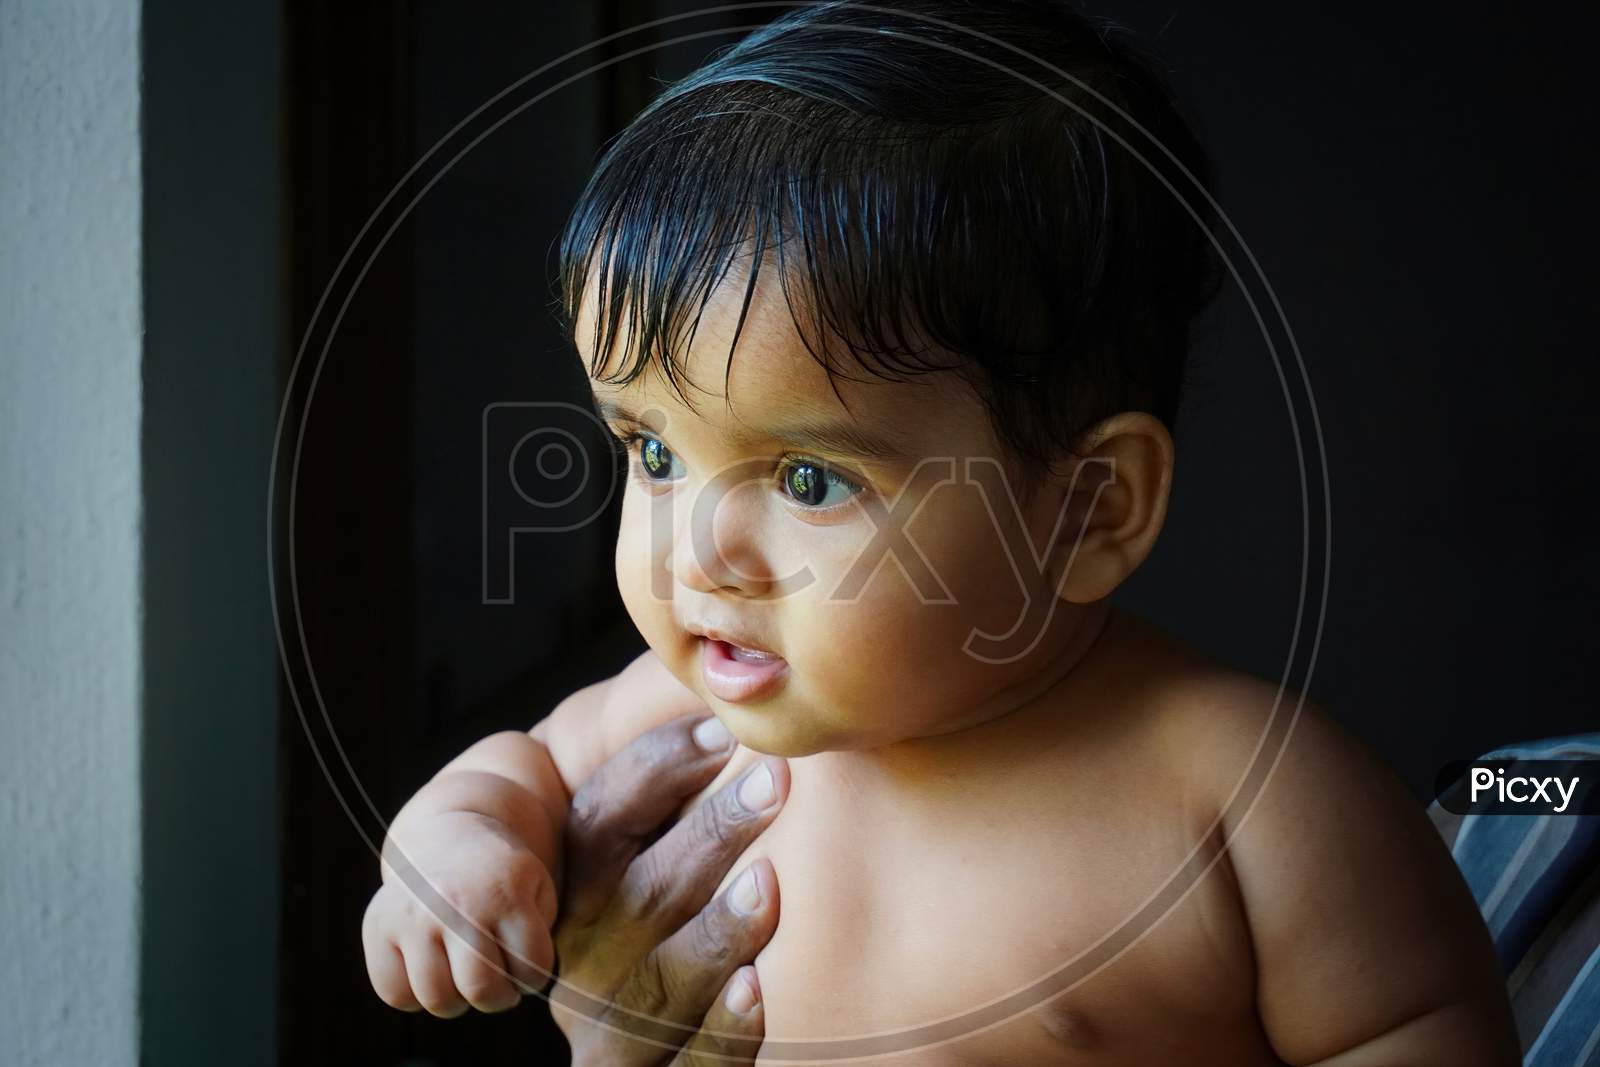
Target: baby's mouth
x,y
738,674
749,655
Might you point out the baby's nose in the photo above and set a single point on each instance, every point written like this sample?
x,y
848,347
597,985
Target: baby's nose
x,y
720,544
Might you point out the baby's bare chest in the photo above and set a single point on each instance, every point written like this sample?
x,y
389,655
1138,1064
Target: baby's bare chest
x,y
1038,930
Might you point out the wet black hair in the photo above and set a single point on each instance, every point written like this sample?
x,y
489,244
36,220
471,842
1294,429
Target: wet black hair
x,y
923,205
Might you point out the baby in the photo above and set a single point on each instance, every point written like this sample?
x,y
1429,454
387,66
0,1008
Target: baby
x,y
892,325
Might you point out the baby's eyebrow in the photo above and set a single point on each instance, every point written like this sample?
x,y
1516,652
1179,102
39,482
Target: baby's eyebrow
x,y
823,435
835,435
611,411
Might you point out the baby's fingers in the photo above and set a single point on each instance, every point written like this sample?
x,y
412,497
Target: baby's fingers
x,y
478,969
530,954
387,969
428,969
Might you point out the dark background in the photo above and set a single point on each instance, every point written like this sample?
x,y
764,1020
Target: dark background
x,y
1416,184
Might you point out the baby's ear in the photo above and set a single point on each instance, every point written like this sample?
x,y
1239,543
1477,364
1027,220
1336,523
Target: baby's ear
x,y
1114,499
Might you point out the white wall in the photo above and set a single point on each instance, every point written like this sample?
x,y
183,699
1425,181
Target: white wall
x,y
69,531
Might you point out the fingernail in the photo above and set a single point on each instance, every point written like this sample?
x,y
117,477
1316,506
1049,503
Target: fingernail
x,y
756,792
711,735
746,895
742,993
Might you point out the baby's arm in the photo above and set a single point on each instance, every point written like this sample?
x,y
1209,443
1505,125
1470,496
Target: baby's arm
x,y
485,833
1369,947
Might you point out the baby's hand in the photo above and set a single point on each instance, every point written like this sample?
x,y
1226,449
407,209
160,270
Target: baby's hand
x,y
458,883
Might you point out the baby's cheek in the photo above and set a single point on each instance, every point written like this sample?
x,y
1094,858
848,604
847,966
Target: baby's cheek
x,y
905,630
880,640
642,578
977,564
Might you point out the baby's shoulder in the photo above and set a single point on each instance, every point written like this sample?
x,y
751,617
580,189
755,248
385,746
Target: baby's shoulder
x,y
1178,713
1338,870
1245,735
1235,739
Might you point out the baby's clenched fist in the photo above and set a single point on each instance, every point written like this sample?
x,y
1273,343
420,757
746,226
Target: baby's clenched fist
x,y
463,918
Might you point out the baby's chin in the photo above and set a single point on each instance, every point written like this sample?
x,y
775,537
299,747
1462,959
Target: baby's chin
x,y
768,730
779,727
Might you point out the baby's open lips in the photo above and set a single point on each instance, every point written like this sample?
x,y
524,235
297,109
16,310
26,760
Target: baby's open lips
x,y
749,655
739,645
739,672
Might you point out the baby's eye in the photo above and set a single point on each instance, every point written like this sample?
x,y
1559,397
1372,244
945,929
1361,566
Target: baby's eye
x,y
658,461
815,486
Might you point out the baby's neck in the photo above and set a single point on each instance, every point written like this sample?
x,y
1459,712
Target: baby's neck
x,y
988,736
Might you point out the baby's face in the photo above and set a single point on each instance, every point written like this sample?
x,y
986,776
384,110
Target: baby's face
x,y
793,558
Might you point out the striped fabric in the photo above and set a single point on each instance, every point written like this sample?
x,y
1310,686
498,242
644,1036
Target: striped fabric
x,y
1537,882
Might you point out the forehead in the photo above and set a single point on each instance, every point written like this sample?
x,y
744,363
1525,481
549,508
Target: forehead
x,y
772,377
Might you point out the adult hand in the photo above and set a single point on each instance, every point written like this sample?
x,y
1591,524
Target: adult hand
x,y
650,970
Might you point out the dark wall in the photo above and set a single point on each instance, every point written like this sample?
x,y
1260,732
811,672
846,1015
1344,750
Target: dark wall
x,y
210,168
1416,187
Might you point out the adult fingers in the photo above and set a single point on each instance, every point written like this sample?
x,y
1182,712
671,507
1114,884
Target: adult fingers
x,y
733,1029
671,881
673,878
673,988
627,798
